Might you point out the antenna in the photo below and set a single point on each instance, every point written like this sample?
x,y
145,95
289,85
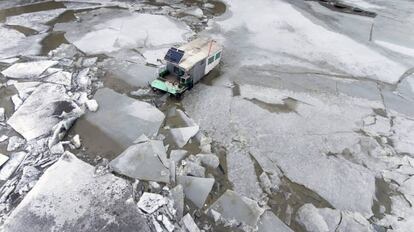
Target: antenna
x,y
209,50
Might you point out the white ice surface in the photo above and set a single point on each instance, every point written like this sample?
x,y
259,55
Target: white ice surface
x,y
69,197
28,70
327,220
38,114
196,189
12,164
25,88
9,38
396,48
231,206
135,30
3,159
403,136
115,113
14,43
35,20
15,142
182,135
296,142
268,222
143,161
58,76
150,202
281,29
154,56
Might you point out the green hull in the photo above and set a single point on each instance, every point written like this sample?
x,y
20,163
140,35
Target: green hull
x,y
166,87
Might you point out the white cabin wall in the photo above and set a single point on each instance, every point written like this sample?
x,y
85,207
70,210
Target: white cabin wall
x,y
210,67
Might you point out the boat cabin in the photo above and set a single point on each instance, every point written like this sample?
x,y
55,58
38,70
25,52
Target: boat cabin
x,y
187,65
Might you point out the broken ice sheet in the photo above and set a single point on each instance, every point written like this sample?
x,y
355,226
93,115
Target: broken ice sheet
x,y
28,70
127,30
58,76
196,189
15,142
182,135
155,56
150,202
268,222
143,161
178,155
189,223
41,111
25,88
177,194
3,159
12,164
208,160
116,114
36,20
69,197
14,43
403,138
232,206
326,219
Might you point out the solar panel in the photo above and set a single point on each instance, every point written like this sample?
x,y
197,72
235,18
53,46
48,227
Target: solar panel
x,y
174,55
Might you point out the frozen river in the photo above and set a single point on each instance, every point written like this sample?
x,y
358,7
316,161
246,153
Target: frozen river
x,y
307,124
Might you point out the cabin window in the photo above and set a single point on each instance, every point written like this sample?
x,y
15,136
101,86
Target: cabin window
x,y
218,55
178,71
211,60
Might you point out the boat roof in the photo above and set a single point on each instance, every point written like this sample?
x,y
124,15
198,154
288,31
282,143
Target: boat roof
x,y
197,50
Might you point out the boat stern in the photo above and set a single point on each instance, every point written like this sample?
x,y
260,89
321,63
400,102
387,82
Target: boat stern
x,y
166,87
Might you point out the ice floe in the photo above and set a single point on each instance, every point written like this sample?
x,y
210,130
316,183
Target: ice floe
x,y
150,202
42,110
189,224
24,89
209,160
36,20
142,161
231,207
28,70
69,197
325,219
177,194
92,105
15,142
178,155
318,45
115,113
12,164
196,189
58,76
130,31
3,159
268,222
181,136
